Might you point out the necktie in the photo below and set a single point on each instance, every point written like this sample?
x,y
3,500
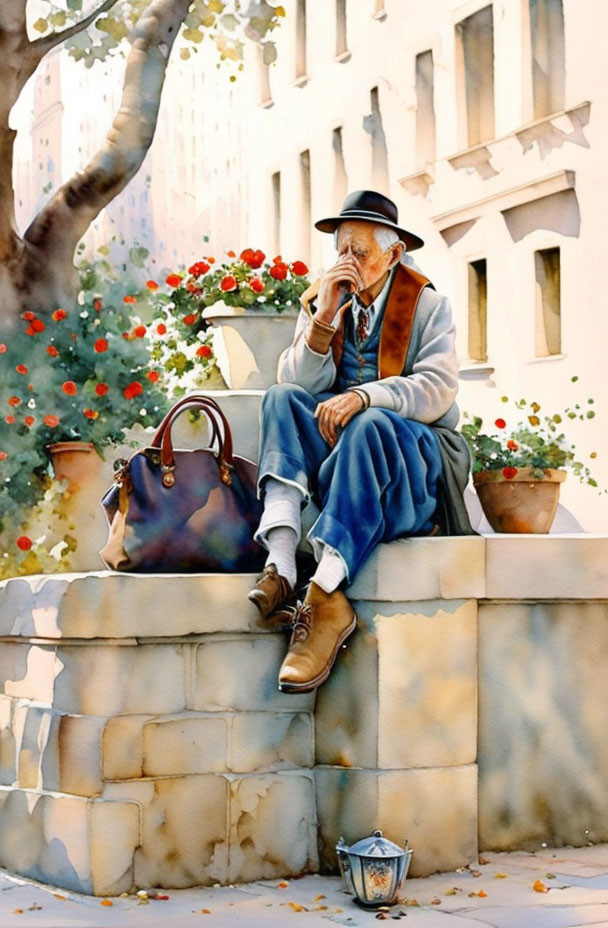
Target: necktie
x,y
362,323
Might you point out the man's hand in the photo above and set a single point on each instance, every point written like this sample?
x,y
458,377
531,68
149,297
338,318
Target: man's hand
x,y
337,412
345,274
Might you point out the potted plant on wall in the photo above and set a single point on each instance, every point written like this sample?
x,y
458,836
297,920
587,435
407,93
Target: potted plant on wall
x,y
518,470
252,305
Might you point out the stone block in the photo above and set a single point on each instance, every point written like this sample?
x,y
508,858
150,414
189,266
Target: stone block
x,y
412,569
8,754
114,680
28,671
69,842
547,566
122,747
543,752
184,829
240,674
272,826
404,692
185,744
113,605
434,808
271,741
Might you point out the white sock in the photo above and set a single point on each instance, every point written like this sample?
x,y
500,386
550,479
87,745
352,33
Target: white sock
x,y
331,570
282,542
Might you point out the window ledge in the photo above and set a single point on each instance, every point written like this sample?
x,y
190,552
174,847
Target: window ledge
x,y
380,15
343,56
266,104
475,370
418,182
301,81
547,357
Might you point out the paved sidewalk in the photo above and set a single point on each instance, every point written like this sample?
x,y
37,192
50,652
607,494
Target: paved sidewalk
x,y
548,889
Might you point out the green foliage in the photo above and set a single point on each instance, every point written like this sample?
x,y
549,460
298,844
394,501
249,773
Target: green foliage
x,y
535,441
228,23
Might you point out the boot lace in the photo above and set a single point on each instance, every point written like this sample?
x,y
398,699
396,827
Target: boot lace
x,y
302,622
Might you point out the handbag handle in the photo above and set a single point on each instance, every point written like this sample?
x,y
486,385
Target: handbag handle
x,y
215,415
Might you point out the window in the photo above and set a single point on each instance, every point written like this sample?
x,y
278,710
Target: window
x,y
340,176
300,39
475,46
425,110
548,57
276,212
265,98
478,310
341,43
547,328
306,205
373,125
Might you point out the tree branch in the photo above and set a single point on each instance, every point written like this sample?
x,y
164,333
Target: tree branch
x,y
46,42
61,224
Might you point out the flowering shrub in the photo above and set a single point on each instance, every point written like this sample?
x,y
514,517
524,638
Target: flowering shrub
x,y
248,281
535,442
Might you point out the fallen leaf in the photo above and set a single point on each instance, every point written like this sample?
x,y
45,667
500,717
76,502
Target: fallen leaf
x,y
297,907
501,876
161,896
59,896
482,894
17,911
282,885
35,908
539,887
435,901
453,891
106,902
336,910
475,872
550,876
320,896
206,911
483,861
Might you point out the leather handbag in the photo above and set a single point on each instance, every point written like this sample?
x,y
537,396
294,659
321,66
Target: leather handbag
x,y
175,510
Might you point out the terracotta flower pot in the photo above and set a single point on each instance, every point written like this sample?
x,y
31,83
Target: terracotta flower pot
x,y
521,504
248,342
75,461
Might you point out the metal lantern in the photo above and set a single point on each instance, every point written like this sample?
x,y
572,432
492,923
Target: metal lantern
x,y
374,869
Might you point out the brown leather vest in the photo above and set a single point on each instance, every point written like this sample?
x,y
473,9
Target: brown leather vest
x,y
396,332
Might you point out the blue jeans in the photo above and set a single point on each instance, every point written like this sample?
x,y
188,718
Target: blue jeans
x,y
378,483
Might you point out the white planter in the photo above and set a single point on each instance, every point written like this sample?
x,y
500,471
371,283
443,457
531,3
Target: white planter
x,y
247,343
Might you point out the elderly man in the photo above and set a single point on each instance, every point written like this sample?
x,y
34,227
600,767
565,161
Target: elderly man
x,y
362,420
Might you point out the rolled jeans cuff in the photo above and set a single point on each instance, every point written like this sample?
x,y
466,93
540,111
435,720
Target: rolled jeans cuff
x,y
278,514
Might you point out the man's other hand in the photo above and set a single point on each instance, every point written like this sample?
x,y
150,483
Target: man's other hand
x,y
337,412
345,275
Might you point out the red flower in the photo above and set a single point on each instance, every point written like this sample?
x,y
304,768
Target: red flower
x,y
13,401
139,331
97,305
151,285
231,254
10,420
129,299
190,319
211,260
256,284
253,258
153,376
500,424
228,283
21,369
278,271
29,420
69,387
28,316
132,390
38,325
3,348
30,331
512,445
277,260
30,386
204,351
161,328
59,314
101,389
52,351
51,421
101,345
174,280
509,472
24,543
198,269
3,455
91,413
299,268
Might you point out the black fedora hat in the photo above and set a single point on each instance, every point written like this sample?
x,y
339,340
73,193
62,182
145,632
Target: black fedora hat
x,y
370,206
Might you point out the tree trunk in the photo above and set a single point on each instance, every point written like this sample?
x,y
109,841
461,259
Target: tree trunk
x,y
37,273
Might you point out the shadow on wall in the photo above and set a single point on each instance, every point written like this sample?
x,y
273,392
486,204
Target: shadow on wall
x,y
559,212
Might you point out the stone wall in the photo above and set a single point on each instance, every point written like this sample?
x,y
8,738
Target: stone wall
x,y
143,740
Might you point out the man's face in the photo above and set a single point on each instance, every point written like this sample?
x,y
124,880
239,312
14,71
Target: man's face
x,y
357,239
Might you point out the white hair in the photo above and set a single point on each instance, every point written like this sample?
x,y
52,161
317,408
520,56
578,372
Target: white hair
x,y
385,236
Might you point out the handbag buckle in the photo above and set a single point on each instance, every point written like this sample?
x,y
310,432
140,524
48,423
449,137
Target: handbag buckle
x,y
168,478
225,469
121,467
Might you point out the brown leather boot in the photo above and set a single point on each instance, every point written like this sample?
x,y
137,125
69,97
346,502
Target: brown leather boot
x,y
321,624
270,592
